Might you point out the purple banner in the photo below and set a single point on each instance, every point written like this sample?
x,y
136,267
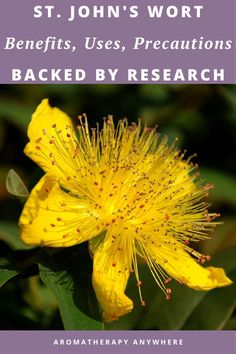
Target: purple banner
x,y
171,41
118,342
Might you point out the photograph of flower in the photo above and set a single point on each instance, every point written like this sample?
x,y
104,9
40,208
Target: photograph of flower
x,y
118,207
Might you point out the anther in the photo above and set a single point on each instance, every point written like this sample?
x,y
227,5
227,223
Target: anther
x,y
168,280
139,283
208,186
202,259
114,317
54,125
109,120
216,215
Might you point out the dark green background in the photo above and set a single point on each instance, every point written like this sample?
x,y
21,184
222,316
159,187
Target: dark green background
x,y
203,117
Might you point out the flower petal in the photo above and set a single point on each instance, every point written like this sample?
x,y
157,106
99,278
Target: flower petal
x,y
54,218
176,262
111,269
52,142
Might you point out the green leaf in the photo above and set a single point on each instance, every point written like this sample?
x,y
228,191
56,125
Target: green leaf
x,y
214,310
216,307
15,185
169,315
230,97
16,113
224,237
9,233
188,308
68,275
231,324
156,93
7,271
225,185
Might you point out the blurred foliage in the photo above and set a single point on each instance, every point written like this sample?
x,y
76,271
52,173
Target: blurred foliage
x,y
203,117
72,287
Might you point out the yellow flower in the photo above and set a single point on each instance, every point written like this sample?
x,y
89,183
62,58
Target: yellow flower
x,y
130,188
